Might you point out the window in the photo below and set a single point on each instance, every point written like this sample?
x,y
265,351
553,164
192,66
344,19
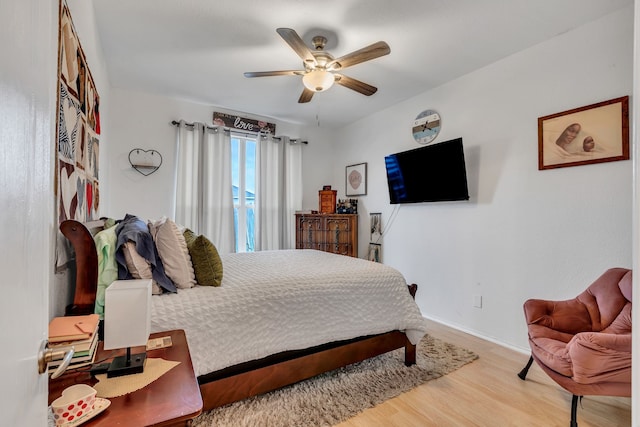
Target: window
x,y
243,176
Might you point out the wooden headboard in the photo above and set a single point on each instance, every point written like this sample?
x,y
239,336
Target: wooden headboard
x,y
86,286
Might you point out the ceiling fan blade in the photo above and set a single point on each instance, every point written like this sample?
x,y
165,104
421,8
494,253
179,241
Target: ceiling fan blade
x,y
273,73
305,96
368,53
356,85
293,39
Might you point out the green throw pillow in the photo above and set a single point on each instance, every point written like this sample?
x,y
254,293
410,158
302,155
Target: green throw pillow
x,y
206,261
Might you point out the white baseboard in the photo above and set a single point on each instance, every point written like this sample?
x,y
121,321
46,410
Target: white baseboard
x,y
477,334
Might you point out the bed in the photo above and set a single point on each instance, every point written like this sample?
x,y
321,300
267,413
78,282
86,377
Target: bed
x,y
267,327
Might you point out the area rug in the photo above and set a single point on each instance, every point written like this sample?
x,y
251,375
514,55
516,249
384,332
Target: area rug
x,y
336,396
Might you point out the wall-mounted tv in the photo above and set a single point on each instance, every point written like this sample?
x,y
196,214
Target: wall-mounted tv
x,y
434,173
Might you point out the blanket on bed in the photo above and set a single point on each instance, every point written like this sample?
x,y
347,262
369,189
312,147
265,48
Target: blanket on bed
x,y
275,301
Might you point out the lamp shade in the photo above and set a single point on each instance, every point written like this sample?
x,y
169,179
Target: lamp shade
x,y
318,80
127,313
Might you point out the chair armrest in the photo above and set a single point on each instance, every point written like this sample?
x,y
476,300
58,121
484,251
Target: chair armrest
x,y
603,341
570,316
599,357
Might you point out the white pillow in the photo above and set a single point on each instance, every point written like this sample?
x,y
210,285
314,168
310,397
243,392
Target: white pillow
x,y
172,249
138,266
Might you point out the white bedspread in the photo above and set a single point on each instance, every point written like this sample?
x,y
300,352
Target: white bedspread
x,y
274,301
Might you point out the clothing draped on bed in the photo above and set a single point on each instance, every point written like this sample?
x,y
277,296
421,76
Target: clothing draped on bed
x,y
133,229
275,301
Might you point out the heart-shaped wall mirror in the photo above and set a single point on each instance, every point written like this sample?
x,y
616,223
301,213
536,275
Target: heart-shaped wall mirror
x,y
145,161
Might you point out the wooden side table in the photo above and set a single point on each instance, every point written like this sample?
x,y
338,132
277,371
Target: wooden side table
x,y
172,400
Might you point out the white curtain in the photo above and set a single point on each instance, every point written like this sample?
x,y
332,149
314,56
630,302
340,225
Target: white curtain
x,y
279,192
268,193
292,190
204,195
187,176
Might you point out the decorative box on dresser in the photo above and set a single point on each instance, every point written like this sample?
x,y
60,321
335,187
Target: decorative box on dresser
x,y
335,233
327,201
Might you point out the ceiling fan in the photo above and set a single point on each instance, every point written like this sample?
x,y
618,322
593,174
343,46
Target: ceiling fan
x,y
320,68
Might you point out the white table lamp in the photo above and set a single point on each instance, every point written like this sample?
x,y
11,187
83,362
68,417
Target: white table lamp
x,y
127,323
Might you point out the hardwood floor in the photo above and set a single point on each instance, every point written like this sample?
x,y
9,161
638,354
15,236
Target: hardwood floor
x,y
487,392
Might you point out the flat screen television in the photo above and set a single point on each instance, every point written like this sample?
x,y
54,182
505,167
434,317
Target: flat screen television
x,y
434,173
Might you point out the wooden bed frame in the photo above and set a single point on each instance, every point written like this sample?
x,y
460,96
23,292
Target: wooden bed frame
x,y
247,379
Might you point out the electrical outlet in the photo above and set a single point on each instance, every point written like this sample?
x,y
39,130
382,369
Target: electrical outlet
x,y
477,301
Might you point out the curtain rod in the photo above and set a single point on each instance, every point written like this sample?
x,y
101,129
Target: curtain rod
x,y
252,134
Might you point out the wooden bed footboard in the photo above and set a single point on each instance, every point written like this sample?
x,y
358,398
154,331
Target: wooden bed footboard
x,y
218,389
271,373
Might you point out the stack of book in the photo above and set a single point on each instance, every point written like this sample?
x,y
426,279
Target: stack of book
x,y
81,332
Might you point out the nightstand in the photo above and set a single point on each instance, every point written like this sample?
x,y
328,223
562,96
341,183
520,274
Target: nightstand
x,y
171,400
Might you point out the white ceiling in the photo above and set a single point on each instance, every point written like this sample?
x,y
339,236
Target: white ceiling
x,y
198,49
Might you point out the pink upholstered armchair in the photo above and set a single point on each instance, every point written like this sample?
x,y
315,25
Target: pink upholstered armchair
x,y
584,344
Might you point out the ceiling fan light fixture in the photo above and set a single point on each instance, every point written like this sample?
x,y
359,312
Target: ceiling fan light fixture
x,y
318,80
319,65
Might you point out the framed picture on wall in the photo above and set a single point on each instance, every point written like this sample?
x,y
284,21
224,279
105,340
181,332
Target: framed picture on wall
x,y
356,179
594,133
375,252
375,222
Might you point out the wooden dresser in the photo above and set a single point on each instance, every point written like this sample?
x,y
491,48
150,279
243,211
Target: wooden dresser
x,y
335,233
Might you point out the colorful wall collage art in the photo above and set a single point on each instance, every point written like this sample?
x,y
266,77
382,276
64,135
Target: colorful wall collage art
x,y
78,125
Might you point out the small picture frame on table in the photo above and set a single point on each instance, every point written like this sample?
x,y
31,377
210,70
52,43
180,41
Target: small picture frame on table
x,y
356,179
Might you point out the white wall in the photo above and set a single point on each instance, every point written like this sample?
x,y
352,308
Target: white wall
x,y
318,159
525,233
140,120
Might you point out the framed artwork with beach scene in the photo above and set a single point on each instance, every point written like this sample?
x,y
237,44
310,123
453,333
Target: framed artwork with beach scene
x,y
594,133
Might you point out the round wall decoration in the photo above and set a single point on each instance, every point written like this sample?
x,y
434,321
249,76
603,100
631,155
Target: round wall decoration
x,y
426,126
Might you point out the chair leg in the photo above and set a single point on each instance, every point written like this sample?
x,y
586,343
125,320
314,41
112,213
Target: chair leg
x,y
574,410
523,374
